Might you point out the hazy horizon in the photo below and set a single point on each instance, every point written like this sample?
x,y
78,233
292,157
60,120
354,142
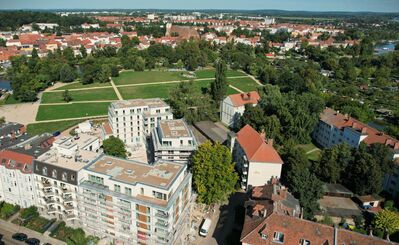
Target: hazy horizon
x,y
387,6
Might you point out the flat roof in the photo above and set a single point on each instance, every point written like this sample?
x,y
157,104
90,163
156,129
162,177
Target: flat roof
x,y
174,128
69,142
155,102
213,131
82,158
161,174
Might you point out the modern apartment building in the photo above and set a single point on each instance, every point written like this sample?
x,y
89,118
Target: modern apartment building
x,y
130,202
56,174
17,184
173,141
133,120
233,107
256,159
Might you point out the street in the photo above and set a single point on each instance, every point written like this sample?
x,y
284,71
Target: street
x,y
8,229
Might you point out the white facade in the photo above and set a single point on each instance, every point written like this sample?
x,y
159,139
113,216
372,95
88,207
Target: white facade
x,y
16,187
328,135
173,141
147,209
259,172
229,113
132,120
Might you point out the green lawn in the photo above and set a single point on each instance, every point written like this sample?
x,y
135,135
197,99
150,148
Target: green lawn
x,y
135,77
39,224
81,95
314,152
231,91
9,100
39,128
245,84
80,85
52,112
210,73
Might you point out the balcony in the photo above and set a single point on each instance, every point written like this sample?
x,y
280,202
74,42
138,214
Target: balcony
x,y
70,216
162,215
52,210
244,179
46,184
245,172
67,199
246,165
66,191
162,224
48,193
68,207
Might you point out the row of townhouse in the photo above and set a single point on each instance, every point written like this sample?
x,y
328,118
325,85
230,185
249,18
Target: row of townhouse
x,y
336,128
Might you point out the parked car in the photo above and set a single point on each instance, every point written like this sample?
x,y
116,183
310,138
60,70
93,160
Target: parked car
x,y
56,133
33,241
205,227
20,236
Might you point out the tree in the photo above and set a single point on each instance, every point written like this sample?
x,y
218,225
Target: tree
x,y
303,184
67,74
83,51
333,163
388,221
103,74
219,86
139,64
115,147
66,96
214,177
3,42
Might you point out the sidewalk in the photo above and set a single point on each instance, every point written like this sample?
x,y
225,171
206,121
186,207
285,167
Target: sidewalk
x,y
7,229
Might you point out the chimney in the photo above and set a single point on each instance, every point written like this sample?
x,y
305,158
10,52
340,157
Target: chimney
x,y
335,235
388,142
283,193
396,146
264,212
364,130
270,142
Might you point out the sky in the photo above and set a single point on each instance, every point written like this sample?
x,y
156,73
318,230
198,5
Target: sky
x,y
308,5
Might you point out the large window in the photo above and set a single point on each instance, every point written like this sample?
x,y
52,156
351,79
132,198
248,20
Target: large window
x,y
159,195
278,237
96,179
117,188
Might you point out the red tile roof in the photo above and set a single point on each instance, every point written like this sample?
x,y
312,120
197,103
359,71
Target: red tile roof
x,y
245,98
20,160
255,147
295,229
341,121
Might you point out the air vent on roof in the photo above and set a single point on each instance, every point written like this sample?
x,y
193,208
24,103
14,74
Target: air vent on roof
x,y
109,162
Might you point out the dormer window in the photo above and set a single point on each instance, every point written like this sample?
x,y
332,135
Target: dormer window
x,y
44,171
304,242
54,174
64,176
278,237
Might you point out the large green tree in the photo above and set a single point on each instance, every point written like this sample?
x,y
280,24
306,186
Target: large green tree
x,y
214,177
388,221
219,86
115,147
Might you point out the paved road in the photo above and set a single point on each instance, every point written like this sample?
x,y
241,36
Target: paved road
x,y
7,229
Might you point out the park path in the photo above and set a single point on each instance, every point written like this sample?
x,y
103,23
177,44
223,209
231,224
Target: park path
x,y
256,80
113,85
116,90
313,150
79,102
71,119
236,89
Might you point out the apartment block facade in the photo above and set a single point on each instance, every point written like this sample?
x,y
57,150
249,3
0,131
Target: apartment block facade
x,y
233,107
56,175
173,141
256,159
132,120
17,184
130,202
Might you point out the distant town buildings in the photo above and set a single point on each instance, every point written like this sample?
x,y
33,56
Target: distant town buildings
x,y
233,107
256,159
173,141
133,120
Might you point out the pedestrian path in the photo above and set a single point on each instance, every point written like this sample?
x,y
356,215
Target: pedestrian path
x,y
116,90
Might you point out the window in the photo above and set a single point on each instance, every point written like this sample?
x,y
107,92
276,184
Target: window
x,y
142,191
54,174
96,179
278,237
128,191
44,171
117,188
159,195
64,176
72,177
304,242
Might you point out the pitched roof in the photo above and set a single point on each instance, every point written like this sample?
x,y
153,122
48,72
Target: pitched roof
x,y
341,121
245,98
295,229
255,147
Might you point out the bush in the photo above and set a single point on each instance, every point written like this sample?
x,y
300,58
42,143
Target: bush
x,y
28,213
7,210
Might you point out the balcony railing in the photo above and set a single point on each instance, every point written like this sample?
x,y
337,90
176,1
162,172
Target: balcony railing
x,y
162,215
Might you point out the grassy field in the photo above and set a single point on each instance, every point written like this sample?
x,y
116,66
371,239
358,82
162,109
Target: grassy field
x,y
52,112
245,84
314,152
81,95
210,73
51,127
80,85
132,77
